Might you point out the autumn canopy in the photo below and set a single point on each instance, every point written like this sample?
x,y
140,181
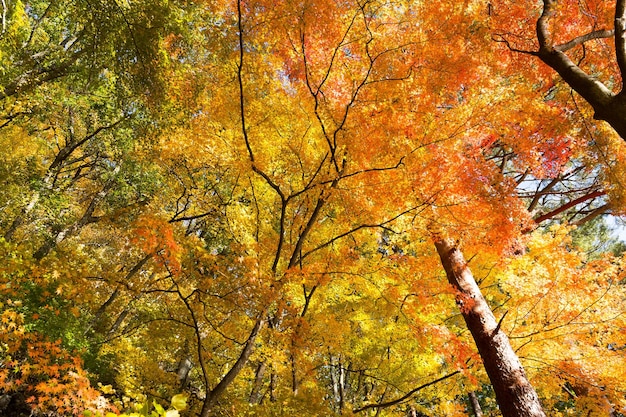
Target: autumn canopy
x,y
312,208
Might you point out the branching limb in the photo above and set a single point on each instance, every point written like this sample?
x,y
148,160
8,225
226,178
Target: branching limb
x,y
199,340
295,255
316,91
596,34
283,200
569,205
502,39
381,225
595,213
36,77
242,109
407,395
592,90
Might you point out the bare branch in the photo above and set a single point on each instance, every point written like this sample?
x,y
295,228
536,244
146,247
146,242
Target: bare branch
x,y
305,232
595,213
381,225
240,83
502,39
569,205
407,395
596,34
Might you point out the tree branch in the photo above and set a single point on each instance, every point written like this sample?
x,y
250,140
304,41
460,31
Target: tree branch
x,y
592,90
298,248
620,36
501,39
357,228
240,83
595,213
407,395
569,205
596,34
230,376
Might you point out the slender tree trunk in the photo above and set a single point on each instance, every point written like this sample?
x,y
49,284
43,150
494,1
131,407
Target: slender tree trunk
x,y
342,384
294,374
515,396
333,379
120,319
272,389
17,222
184,369
214,395
478,411
255,394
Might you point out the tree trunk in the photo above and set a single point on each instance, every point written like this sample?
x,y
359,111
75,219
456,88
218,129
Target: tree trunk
x,y
342,384
255,394
214,395
515,396
294,375
182,373
478,411
86,219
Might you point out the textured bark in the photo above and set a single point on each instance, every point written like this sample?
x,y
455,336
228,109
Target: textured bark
x,y
342,385
607,105
567,206
515,396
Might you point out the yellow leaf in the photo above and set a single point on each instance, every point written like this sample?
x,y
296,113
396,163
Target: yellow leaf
x,y
179,401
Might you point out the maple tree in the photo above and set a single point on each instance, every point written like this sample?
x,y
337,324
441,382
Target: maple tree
x,y
254,205
584,42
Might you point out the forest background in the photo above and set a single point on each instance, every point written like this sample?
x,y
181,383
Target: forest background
x,y
258,208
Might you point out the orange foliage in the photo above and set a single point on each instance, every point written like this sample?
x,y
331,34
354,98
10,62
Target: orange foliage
x,y
155,236
51,379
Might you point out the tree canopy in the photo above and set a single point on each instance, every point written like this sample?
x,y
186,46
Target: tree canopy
x,y
252,207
